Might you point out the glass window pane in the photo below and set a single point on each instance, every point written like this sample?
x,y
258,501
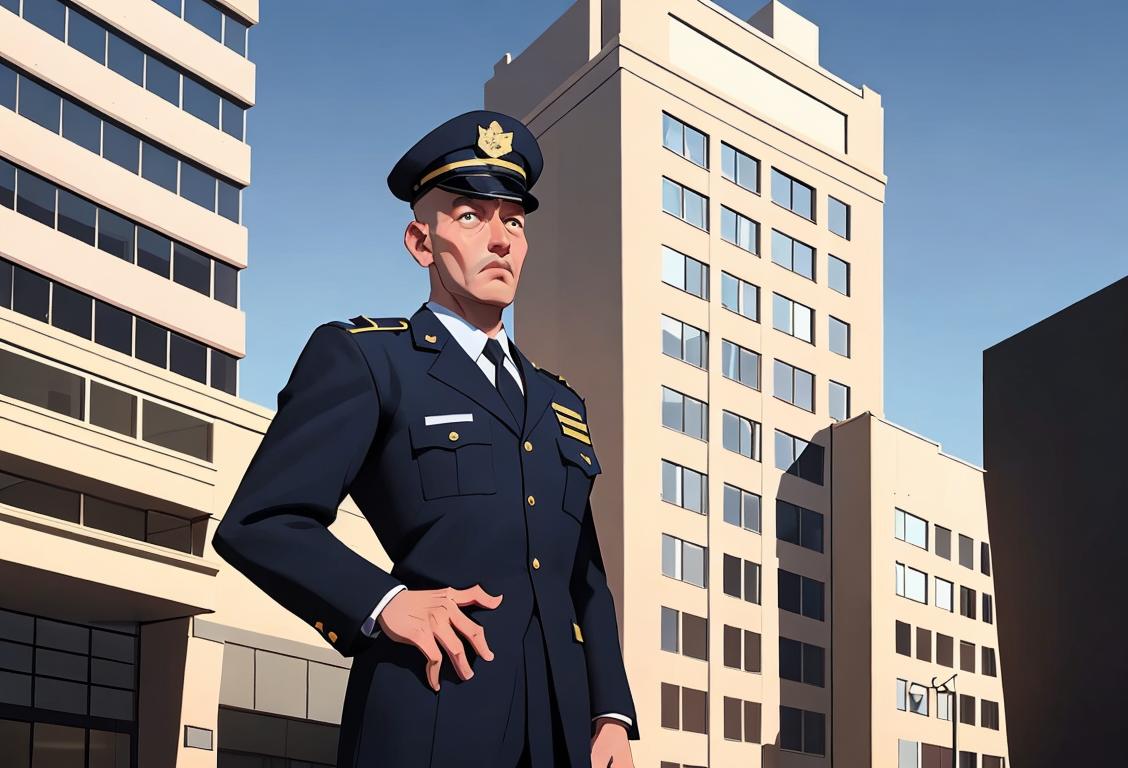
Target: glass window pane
x,y
15,736
59,746
839,337
695,147
114,518
36,198
86,35
154,252
48,15
671,409
671,133
233,118
750,301
82,126
71,666
729,292
224,371
695,209
692,491
671,198
804,260
116,235
197,185
813,599
812,530
748,172
28,494
176,430
191,268
789,591
694,348
781,313
120,147
226,284
162,80
803,322
7,184
76,217
204,17
784,380
39,104
113,645
804,390
781,189
728,162
673,267
838,275
235,34
188,358
158,166
201,101
751,511
731,505
113,673
152,341
728,225
170,5
113,327
71,311
781,249
669,629
125,58
109,750
229,201
802,198
170,531
838,217
113,409
670,483
669,556
31,294
749,368
111,702
693,566
696,278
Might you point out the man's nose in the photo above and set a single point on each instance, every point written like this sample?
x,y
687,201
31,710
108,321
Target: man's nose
x,y
499,236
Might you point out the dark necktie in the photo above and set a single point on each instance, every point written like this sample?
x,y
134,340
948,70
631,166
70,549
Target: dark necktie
x,y
505,383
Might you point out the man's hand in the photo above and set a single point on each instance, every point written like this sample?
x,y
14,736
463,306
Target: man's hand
x,y
609,746
427,618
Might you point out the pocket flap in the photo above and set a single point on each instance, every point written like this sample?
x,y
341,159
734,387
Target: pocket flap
x,y
452,435
579,454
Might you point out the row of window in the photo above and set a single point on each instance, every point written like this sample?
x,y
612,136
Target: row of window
x,y
63,115
744,170
148,525
914,697
65,308
213,20
913,754
110,48
81,397
59,208
914,530
685,561
913,584
792,384
945,648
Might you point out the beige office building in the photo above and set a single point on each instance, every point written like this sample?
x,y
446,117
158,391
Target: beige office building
x,y
706,269
122,160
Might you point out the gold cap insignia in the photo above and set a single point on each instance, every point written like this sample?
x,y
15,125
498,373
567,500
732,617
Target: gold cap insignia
x,y
493,142
431,338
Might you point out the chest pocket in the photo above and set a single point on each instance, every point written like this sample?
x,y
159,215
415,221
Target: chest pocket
x,y
580,468
454,459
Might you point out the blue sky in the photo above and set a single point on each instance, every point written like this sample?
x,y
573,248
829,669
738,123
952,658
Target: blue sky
x,y
1005,148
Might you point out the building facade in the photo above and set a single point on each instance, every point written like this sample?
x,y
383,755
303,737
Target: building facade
x,y
123,641
1053,446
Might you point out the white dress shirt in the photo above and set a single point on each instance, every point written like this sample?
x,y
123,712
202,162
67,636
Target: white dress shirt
x,y
473,340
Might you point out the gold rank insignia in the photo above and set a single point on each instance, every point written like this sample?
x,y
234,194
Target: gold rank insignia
x,y
493,142
571,423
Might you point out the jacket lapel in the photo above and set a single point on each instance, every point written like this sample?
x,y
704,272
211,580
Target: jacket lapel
x,y
538,391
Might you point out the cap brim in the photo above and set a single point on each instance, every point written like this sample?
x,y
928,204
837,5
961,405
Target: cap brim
x,y
488,185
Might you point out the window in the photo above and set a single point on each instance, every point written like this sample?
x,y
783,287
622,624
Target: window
x,y
967,709
967,602
740,364
685,273
944,594
689,206
686,414
113,409
38,104
908,752
988,609
158,167
82,127
967,656
943,542
798,457
990,761
77,217
224,372
7,182
738,167
838,217
31,294
838,400
35,198
838,275
742,716
801,662
42,498
176,430
968,759
924,644
944,707
685,342
684,708
740,296
692,640
741,578
793,255
740,435
685,487
989,665
741,649
71,311
985,558
151,342
799,525
688,142
910,528
912,697
912,583
742,508
794,385
669,639
683,560
802,731
944,650
42,385
802,595
226,287
793,318
967,552
740,230
839,334
126,59
187,357
793,194
903,638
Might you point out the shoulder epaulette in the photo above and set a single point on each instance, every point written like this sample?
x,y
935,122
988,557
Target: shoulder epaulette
x,y
363,323
559,378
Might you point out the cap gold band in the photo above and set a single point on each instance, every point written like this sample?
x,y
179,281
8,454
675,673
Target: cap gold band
x,y
467,163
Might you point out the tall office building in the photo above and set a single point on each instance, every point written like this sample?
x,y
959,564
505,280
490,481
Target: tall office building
x,y
1053,446
706,269
123,157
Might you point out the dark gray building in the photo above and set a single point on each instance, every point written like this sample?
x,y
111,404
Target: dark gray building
x,y
1055,434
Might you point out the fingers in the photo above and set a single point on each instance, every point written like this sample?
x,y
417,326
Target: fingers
x,y
453,647
472,632
425,642
475,595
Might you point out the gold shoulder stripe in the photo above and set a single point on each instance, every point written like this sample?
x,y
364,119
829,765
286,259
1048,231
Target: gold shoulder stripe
x,y
577,435
566,422
566,411
402,326
576,631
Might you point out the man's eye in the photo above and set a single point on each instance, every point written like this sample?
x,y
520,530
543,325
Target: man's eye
x,y
520,224
468,216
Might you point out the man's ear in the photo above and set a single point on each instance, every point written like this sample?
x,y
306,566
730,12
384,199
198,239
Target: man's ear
x,y
417,240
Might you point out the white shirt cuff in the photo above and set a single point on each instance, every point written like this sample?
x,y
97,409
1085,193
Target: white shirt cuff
x,y
617,716
369,625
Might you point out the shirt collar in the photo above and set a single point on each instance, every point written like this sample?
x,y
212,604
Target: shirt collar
x,y
471,338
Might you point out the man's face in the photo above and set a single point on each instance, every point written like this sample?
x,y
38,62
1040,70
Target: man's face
x,y
477,245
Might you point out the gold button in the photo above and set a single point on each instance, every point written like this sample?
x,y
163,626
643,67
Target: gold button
x,y
319,626
528,446
431,339
332,637
536,564
531,500
453,436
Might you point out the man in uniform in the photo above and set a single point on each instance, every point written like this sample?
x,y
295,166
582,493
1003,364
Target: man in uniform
x,y
474,468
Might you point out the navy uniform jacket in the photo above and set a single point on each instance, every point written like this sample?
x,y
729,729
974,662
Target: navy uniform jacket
x,y
453,504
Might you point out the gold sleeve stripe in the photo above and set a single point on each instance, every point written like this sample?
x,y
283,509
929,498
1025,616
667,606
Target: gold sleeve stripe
x,y
565,421
566,411
577,435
